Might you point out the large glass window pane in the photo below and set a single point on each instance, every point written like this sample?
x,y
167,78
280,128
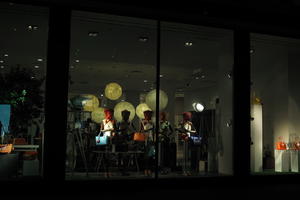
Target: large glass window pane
x,y
23,41
275,101
112,67
195,101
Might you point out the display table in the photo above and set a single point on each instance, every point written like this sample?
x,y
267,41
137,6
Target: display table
x,y
282,160
295,160
20,147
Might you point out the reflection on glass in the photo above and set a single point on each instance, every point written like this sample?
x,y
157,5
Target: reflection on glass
x,y
195,62
274,104
110,126
22,84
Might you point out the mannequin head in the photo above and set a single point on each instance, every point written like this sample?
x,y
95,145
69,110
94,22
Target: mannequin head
x,y
125,115
108,114
163,116
148,114
187,116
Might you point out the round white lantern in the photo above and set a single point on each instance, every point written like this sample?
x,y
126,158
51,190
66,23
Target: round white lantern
x,y
124,105
140,110
98,115
90,103
151,99
113,91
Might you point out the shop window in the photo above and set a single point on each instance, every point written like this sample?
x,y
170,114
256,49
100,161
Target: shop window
x,y
195,137
23,39
112,68
274,104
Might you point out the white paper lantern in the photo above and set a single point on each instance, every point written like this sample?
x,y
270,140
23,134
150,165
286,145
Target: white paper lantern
x,y
140,110
113,91
151,99
124,105
98,115
90,103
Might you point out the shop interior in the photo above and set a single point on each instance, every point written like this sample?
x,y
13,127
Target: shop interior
x,y
113,68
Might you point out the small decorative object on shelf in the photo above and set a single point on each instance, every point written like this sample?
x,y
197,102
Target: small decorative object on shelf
x,y
6,148
280,144
297,143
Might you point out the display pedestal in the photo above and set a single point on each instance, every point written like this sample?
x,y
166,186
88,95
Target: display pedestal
x,y
295,165
282,160
31,168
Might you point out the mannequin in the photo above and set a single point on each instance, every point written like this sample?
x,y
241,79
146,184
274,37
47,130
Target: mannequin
x,y
107,128
124,130
186,128
147,127
108,125
165,131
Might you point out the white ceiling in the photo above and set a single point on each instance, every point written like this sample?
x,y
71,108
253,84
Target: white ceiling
x,y
116,54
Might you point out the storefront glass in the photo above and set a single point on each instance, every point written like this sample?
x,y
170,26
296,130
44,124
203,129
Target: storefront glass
x,y
274,104
195,135
112,67
23,39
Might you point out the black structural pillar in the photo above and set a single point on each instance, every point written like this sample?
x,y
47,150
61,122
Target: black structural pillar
x,y
56,94
157,96
241,104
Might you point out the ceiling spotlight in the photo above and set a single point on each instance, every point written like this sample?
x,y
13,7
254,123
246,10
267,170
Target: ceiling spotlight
x,y
203,76
101,95
1,61
198,107
93,34
32,77
251,51
40,59
77,61
5,55
143,39
2,67
32,27
161,75
72,67
36,66
197,77
188,44
145,81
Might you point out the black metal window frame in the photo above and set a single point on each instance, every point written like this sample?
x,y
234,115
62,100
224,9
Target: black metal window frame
x,y
59,47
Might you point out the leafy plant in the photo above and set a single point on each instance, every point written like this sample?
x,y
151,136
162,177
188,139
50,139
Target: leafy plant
x,y
23,92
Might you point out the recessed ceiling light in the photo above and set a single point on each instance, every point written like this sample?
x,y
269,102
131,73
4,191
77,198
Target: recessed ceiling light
x,y
32,77
93,34
251,50
2,67
40,59
143,39
77,61
188,44
72,66
161,75
1,61
197,77
36,66
5,55
145,81
202,76
32,27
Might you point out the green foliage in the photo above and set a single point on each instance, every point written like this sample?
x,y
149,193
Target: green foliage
x,y
24,94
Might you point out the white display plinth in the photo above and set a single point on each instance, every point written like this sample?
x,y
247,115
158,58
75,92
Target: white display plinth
x,y
282,160
295,165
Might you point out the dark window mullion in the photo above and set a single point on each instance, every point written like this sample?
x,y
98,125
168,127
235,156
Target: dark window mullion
x,y
56,94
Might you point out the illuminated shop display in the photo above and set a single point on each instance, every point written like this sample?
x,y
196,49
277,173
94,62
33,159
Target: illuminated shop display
x,y
151,100
140,110
123,105
113,91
